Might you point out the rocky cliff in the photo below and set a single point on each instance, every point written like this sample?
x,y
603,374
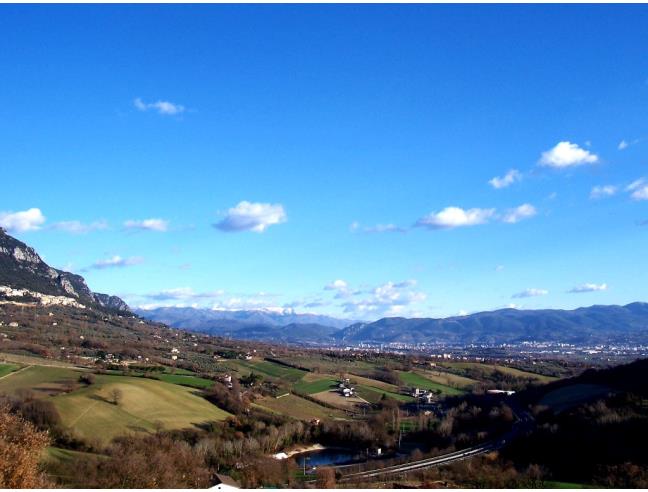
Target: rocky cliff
x,y
24,275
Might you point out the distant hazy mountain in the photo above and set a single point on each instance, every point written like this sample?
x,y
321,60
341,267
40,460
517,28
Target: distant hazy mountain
x,y
23,274
596,324
261,324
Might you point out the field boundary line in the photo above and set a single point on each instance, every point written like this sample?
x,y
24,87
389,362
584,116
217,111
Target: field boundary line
x,y
15,372
82,414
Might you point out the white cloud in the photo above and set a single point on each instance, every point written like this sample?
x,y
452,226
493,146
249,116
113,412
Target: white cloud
x,y
588,288
567,154
159,225
638,189
530,293
499,268
337,285
517,214
27,220
78,227
507,180
623,145
451,217
115,262
162,107
603,191
248,216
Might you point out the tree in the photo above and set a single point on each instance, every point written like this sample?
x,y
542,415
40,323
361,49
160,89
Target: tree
x,y
88,378
116,396
21,448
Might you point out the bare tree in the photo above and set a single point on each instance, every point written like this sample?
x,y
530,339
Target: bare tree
x,y
21,448
116,396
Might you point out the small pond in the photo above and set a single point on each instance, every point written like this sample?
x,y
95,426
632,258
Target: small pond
x,y
329,456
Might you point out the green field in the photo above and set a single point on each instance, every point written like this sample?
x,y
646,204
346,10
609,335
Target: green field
x,y
449,379
299,408
53,453
178,370
145,404
417,381
310,387
192,381
267,368
525,374
7,368
488,369
374,383
42,380
569,396
29,360
373,395
564,485
325,365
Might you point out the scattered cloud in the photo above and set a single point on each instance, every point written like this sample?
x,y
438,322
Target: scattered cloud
x,y
530,293
514,215
377,229
588,288
507,180
27,220
603,191
638,189
248,216
389,299
159,225
567,154
452,217
499,268
162,107
115,262
624,144
78,227
183,294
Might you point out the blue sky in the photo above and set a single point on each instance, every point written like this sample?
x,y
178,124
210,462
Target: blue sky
x,y
331,159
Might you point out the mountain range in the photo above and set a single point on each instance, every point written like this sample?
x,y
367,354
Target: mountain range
x,y
25,277
595,324
254,324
